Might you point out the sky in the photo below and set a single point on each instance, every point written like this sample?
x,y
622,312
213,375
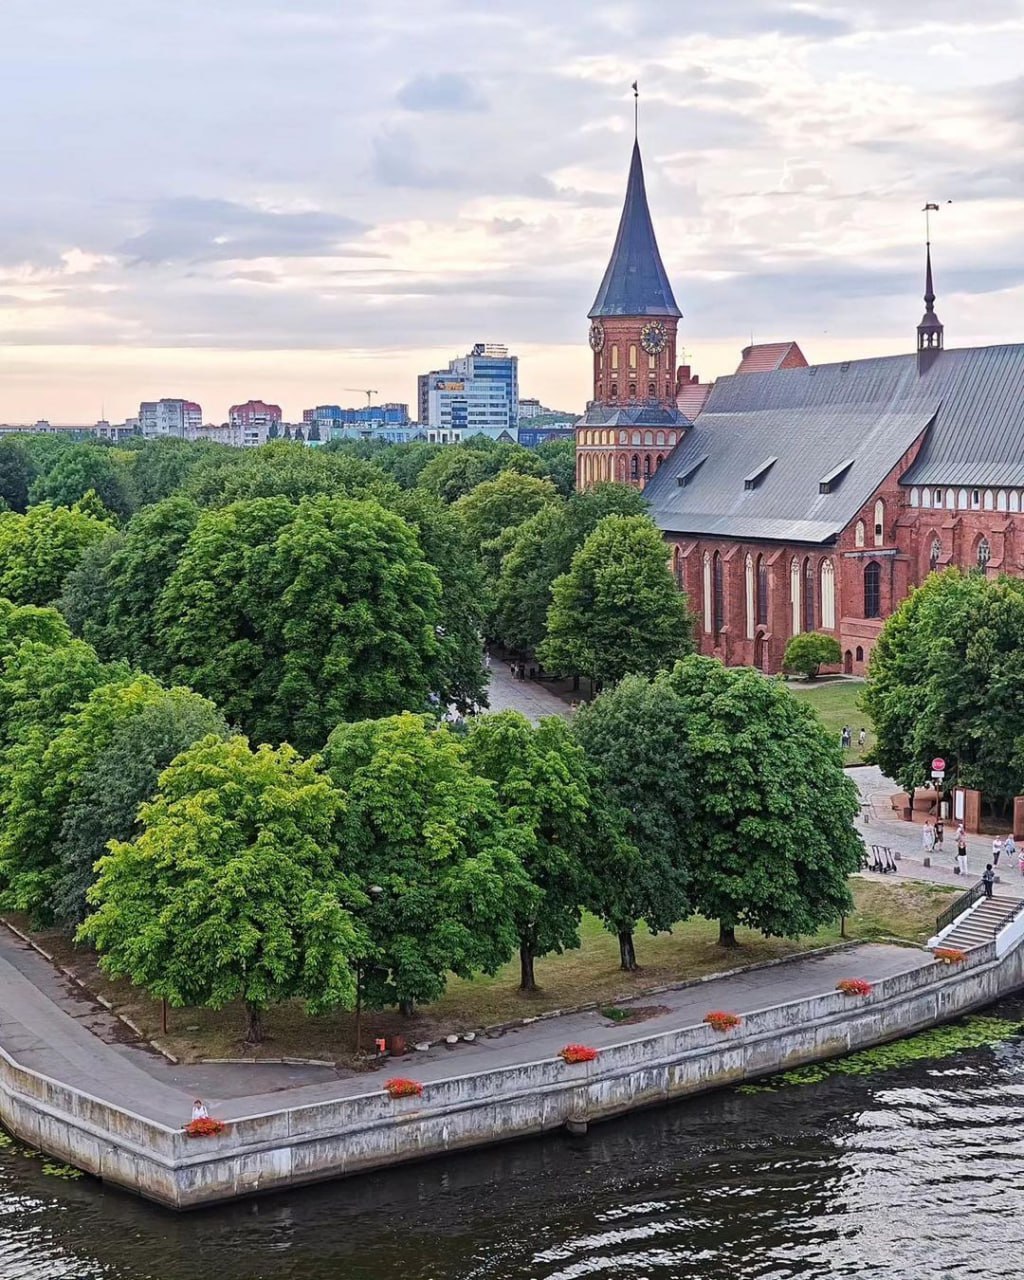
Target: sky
x,y
297,199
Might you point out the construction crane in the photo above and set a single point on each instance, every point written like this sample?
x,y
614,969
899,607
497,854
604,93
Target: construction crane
x,y
365,391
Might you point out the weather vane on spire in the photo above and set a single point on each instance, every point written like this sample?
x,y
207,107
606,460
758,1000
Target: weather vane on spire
x,y
636,112
928,210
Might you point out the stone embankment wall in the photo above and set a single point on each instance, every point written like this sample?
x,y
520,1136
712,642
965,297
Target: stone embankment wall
x,y
332,1139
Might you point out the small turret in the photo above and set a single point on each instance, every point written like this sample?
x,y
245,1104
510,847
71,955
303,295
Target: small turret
x,y
930,331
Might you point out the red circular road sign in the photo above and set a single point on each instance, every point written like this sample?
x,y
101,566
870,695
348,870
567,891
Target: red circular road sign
x,y
938,763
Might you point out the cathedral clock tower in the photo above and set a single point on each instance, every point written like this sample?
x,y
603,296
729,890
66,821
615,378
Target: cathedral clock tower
x,y
632,423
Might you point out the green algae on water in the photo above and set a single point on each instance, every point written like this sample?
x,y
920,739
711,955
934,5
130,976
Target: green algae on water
x,y
939,1042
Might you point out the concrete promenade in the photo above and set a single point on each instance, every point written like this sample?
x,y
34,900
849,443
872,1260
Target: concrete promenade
x,y
64,1035
533,699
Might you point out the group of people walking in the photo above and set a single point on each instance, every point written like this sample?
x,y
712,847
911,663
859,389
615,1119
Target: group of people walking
x,y
932,835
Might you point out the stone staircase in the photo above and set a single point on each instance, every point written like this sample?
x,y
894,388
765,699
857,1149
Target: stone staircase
x,y
983,923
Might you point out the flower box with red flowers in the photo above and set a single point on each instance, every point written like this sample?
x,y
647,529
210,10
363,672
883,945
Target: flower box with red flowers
x,y
578,1053
399,1087
949,955
721,1020
854,987
205,1128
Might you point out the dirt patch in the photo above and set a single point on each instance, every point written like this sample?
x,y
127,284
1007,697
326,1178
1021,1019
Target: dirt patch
x,y
626,1017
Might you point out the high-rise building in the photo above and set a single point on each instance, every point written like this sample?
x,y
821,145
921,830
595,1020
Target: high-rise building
x,y
255,422
169,417
477,394
388,421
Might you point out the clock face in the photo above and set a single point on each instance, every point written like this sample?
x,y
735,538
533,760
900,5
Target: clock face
x,y
597,335
653,337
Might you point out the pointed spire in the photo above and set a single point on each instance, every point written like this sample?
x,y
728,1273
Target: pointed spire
x,y
635,282
930,330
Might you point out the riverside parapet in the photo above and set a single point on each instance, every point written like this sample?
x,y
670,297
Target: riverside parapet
x,y
335,1138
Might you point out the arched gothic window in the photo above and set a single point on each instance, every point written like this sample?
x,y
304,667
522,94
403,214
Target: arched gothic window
x,y
984,553
872,590
718,619
934,551
794,593
858,534
647,466
634,468
879,523
808,594
828,595
707,591
749,592
677,567
762,592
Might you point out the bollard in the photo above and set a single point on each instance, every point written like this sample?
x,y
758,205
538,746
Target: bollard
x,y
926,861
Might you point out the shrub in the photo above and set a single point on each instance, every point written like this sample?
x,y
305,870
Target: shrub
x,y
949,955
809,651
854,987
578,1053
206,1128
722,1021
399,1087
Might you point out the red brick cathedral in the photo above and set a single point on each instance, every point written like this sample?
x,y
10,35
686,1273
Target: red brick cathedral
x,y
800,497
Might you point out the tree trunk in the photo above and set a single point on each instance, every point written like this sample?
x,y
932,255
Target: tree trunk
x,y
727,934
406,1008
253,1024
527,981
627,952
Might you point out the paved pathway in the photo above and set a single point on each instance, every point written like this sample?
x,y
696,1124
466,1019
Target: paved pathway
x,y
62,1034
527,696
881,826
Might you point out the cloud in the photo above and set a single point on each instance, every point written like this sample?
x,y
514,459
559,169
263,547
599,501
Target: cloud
x,y
441,91
398,162
195,229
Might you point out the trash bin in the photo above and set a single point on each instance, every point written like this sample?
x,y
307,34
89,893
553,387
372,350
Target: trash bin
x,y
396,1046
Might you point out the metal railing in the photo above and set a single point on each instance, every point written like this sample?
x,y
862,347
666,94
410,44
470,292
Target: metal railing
x,y
959,905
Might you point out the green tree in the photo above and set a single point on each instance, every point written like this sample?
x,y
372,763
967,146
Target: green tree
x,y
540,774
82,468
39,549
558,458
103,765
29,622
499,506
285,470
618,609
163,467
541,551
771,838
45,679
404,463
421,825
232,891
635,737
946,678
111,598
16,474
809,651
293,618
459,676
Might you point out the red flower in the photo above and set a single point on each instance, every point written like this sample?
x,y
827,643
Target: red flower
x,y
399,1087
207,1128
578,1053
949,955
722,1021
854,987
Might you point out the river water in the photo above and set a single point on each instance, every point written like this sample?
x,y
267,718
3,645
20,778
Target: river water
x,y
916,1172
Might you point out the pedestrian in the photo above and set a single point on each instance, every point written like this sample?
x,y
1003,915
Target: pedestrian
x,y
959,832
1010,848
199,1111
988,878
940,831
927,836
997,850
961,854
845,737
487,661
862,737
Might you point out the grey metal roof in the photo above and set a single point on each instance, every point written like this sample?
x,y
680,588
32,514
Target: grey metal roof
x,y
969,402
635,282
637,413
812,421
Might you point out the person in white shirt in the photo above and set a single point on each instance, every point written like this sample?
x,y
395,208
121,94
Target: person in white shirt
x,y
199,1111
997,849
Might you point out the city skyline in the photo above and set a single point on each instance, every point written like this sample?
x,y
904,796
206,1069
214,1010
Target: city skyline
x,y
374,207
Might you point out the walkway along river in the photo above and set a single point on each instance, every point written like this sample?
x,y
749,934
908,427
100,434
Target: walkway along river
x,y
915,1172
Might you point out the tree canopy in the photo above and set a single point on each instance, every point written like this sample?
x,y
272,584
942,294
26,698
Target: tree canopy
x,y
772,841
293,617
84,467
419,824
39,549
809,651
946,678
618,609
233,890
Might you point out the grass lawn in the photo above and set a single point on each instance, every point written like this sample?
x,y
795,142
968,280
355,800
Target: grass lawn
x,y
902,909
836,702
